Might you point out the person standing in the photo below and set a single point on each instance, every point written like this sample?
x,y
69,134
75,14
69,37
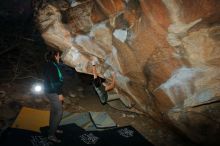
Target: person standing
x,y
53,82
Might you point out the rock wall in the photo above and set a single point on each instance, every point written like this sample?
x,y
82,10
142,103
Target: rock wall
x,y
165,54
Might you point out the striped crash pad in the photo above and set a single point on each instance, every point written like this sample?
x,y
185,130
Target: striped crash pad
x,y
33,119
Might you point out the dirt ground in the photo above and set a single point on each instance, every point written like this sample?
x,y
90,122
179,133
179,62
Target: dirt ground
x,y
80,97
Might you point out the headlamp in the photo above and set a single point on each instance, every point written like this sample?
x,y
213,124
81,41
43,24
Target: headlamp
x,y
37,88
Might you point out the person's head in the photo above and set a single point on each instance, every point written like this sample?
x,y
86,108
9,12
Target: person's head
x,y
53,55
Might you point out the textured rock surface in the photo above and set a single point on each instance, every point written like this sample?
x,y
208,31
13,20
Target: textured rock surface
x,y
165,53
200,123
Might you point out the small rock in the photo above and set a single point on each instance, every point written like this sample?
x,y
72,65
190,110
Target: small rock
x,y
72,95
67,101
80,89
130,116
81,95
81,108
38,100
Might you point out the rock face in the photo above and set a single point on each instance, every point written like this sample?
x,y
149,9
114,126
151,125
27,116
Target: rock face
x,y
165,54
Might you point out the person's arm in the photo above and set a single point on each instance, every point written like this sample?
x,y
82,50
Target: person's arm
x,y
111,85
94,71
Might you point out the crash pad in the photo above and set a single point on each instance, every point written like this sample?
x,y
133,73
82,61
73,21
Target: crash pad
x,y
21,137
31,119
75,135
89,120
120,136
83,120
102,120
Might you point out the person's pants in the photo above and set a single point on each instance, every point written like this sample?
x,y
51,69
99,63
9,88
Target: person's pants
x,y
56,112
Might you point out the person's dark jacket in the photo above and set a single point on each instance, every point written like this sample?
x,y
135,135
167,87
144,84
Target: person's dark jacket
x,y
53,79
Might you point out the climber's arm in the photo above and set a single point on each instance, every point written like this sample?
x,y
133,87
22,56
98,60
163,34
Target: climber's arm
x,y
94,71
111,85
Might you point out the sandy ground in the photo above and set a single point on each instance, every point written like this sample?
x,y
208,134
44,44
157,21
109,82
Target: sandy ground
x,y
80,97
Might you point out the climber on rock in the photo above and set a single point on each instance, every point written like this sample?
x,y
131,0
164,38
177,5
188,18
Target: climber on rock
x,y
101,87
